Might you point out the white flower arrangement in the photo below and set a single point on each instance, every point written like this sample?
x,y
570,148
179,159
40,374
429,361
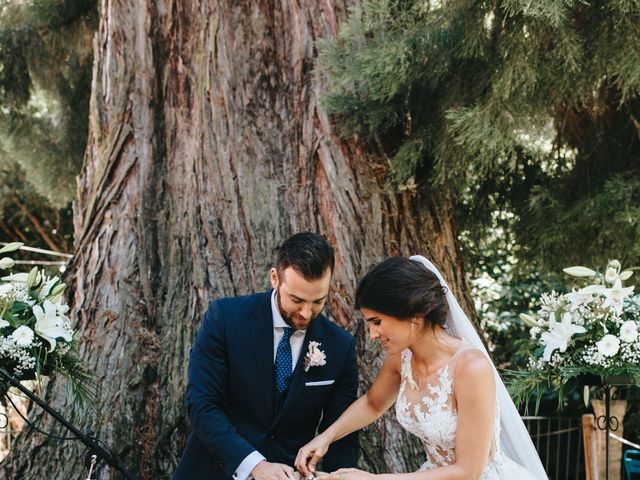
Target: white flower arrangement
x,y
314,357
591,330
36,336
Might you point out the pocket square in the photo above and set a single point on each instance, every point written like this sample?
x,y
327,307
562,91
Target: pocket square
x,y
319,384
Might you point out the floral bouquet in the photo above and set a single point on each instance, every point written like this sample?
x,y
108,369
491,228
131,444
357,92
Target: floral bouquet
x,y
36,337
592,330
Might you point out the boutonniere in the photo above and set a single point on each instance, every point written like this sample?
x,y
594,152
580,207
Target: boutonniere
x,y
314,357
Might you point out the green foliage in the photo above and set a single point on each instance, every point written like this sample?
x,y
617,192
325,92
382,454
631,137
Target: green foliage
x,y
530,108
25,213
503,287
605,222
45,75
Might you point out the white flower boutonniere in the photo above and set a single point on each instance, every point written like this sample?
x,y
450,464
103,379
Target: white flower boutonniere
x,y
315,357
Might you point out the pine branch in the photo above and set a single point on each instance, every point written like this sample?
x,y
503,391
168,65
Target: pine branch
x,y
36,223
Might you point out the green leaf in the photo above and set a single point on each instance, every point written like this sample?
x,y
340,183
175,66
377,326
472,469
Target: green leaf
x,y
19,307
9,317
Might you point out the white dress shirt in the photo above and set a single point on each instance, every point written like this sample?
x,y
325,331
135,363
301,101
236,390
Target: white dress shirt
x,y
243,472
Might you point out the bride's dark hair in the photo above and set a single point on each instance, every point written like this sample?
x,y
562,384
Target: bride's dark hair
x,y
403,288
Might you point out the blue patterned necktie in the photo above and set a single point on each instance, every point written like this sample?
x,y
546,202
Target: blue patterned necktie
x,y
284,360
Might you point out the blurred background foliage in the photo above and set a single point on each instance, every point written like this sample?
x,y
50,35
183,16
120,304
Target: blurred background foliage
x,y
526,112
46,52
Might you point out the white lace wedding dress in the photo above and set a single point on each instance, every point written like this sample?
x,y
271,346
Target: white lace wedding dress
x,y
429,412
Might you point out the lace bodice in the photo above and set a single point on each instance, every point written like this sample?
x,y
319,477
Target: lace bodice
x,y
430,413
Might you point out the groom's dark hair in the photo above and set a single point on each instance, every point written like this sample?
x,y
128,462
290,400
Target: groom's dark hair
x,y
307,253
403,288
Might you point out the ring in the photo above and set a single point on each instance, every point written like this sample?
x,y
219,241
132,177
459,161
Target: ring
x,y
311,477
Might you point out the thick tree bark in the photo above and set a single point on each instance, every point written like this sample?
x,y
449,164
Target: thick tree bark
x,y
207,148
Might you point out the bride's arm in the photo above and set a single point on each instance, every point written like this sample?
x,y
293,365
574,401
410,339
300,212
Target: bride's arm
x,y
474,386
365,410
475,390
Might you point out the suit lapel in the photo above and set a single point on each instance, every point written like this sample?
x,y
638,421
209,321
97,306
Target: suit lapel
x,y
314,333
262,329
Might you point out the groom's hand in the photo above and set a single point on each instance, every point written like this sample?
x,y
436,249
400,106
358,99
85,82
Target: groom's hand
x,y
273,471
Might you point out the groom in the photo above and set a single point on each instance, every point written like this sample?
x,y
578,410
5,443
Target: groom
x,y
259,388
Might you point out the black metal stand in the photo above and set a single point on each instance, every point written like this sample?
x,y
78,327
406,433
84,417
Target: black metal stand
x,y
607,422
87,438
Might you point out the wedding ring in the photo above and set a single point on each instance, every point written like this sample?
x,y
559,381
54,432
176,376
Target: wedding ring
x,y
311,477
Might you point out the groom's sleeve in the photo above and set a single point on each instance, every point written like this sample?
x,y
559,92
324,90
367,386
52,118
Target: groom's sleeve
x,y
206,397
344,452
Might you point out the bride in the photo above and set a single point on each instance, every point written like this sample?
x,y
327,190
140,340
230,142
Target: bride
x,y
444,385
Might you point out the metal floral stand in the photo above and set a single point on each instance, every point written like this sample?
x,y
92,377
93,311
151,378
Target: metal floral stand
x,y
98,450
607,422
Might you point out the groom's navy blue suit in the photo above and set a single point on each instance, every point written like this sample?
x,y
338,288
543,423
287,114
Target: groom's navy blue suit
x,y
231,397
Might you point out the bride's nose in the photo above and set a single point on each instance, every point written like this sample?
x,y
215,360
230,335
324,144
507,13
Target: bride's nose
x,y
374,332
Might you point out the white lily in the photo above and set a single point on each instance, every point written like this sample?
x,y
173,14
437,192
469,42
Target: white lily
x,y
11,247
615,296
47,286
579,271
6,263
615,264
17,277
611,275
34,278
592,290
49,325
529,320
626,275
559,334
576,298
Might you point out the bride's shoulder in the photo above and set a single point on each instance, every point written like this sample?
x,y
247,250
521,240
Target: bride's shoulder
x,y
473,366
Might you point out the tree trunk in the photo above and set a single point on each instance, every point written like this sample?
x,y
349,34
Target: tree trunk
x,y
207,148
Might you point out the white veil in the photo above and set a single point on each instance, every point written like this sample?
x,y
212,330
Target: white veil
x,y
514,437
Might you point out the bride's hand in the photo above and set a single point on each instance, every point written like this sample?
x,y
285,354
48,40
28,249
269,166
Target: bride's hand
x,y
310,455
348,474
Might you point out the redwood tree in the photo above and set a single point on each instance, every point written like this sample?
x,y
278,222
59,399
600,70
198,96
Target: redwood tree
x,y
207,147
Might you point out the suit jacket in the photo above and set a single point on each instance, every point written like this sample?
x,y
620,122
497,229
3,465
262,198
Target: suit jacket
x,y
231,395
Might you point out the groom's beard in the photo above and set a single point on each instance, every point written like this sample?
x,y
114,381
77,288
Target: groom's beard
x,y
294,320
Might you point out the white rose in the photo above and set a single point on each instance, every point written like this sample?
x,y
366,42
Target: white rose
x,y
609,345
629,331
23,336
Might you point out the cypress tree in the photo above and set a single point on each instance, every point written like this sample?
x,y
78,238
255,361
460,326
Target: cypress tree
x,y
529,108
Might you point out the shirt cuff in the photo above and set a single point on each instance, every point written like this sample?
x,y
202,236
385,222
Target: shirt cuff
x,y
243,472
